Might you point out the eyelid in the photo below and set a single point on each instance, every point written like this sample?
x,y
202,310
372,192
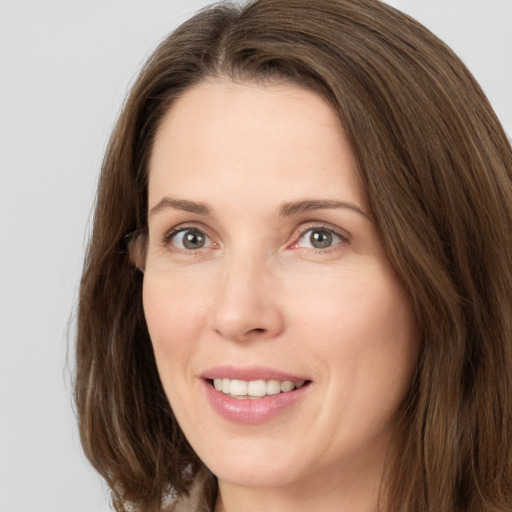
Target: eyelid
x,y
182,226
304,228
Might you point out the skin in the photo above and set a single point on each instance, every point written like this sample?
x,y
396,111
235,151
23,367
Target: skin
x,y
258,292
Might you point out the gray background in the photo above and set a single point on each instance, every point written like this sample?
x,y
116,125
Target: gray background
x,y
65,67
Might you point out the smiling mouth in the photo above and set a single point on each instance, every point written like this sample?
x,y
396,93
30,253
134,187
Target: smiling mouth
x,y
254,389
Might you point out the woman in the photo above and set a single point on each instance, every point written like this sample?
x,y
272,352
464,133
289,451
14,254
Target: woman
x,y
297,291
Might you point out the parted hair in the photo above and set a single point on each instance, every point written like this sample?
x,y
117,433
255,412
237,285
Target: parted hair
x,y
436,167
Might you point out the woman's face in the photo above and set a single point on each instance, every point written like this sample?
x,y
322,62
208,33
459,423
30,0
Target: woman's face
x,y
265,275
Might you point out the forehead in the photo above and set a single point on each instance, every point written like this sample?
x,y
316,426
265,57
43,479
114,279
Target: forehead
x,y
273,139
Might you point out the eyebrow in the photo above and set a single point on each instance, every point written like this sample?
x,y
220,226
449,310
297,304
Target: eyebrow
x,y
287,209
300,207
180,204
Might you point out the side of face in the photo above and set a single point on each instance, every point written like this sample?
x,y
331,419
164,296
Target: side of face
x,y
263,264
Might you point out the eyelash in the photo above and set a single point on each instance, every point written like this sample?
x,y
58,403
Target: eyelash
x,y
343,237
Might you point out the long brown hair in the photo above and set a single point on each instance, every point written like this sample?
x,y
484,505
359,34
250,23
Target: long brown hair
x,y
437,170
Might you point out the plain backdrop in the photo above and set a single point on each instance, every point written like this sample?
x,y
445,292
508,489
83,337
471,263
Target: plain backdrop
x,y
65,67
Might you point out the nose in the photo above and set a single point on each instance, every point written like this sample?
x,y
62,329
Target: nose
x,y
245,306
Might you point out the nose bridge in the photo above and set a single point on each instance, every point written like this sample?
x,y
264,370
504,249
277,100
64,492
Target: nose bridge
x,y
245,305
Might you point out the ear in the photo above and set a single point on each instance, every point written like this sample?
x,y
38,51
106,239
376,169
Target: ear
x,y
137,249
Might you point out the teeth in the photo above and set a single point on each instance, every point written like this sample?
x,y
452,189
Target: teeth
x,y
238,387
273,387
287,385
255,388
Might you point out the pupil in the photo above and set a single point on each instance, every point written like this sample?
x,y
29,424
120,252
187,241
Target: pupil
x,y
193,239
321,239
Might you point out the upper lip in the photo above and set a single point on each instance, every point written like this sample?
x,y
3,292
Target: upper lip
x,y
250,373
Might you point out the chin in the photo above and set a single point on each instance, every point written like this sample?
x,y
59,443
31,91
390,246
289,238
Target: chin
x,y
245,475
261,465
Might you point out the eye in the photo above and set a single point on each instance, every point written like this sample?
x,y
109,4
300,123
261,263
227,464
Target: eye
x,y
189,239
319,238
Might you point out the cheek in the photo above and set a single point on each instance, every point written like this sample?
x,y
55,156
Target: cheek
x,y
362,327
175,316
350,304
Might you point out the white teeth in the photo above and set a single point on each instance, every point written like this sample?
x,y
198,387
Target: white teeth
x,y
255,388
238,387
287,385
273,387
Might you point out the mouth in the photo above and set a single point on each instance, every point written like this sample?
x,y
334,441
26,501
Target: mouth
x,y
252,396
255,389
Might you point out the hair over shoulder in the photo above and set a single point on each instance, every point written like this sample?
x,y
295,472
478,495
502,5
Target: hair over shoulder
x,y
436,166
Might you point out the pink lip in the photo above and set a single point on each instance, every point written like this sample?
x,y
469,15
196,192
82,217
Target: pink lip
x,y
247,411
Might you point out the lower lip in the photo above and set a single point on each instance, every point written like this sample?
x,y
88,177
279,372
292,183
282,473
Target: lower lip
x,y
252,411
